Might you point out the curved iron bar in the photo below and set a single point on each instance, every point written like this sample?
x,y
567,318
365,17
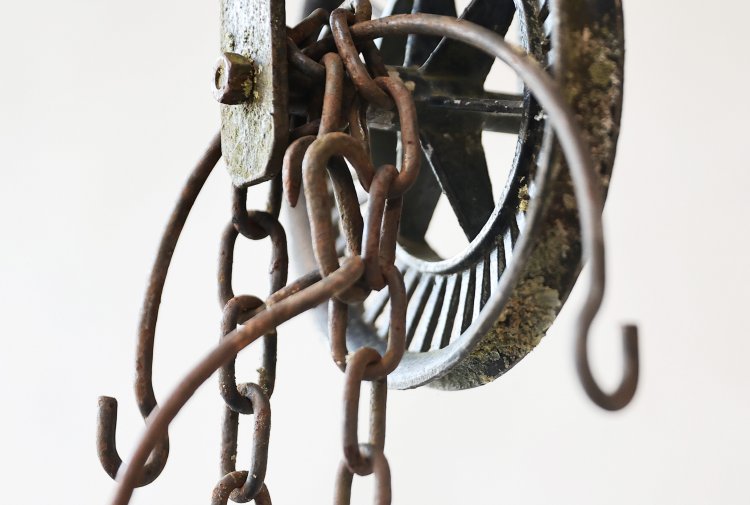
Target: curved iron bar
x,y
585,184
586,188
144,390
309,27
297,302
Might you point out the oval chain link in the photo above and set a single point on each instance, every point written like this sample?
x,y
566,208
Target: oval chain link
x,y
333,139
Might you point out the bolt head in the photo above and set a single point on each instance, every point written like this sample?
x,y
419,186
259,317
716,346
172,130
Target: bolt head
x,y
233,79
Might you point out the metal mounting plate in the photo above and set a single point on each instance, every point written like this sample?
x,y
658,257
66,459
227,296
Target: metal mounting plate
x,y
254,134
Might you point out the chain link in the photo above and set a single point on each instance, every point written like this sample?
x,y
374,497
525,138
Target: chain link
x,y
330,89
335,132
249,398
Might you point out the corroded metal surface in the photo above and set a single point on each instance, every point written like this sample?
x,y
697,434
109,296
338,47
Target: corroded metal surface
x,y
588,63
507,287
460,331
254,133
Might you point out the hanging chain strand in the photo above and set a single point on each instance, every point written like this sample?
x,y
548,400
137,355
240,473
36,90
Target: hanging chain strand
x,y
248,398
335,133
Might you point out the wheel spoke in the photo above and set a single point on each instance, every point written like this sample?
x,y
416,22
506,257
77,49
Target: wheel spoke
x,y
453,111
419,204
421,200
457,158
439,100
496,112
452,125
393,49
455,58
419,47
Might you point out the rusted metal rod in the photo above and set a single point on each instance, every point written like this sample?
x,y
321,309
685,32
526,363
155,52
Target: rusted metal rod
x,y
144,389
297,302
344,283
586,185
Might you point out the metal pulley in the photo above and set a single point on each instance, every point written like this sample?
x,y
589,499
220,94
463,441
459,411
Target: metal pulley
x,y
471,316
362,139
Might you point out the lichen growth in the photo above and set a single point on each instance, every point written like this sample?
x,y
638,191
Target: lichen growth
x,y
247,87
601,72
569,201
254,133
593,83
523,198
522,323
524,320
589,62
228,44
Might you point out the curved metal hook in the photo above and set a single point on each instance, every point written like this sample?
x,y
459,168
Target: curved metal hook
x,y
106,445
590,206
144,390
586,184
625,392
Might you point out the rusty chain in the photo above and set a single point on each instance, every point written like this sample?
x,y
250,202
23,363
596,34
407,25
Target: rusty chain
x,y
334,137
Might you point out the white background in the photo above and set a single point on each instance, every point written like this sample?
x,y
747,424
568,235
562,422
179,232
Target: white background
x,y
105,105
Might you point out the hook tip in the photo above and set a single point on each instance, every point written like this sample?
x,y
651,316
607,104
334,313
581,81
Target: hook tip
x,y
107,401
625,392
630,341
107,419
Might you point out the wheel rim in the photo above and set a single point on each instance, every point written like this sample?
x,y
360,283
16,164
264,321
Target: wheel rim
x,y
447,347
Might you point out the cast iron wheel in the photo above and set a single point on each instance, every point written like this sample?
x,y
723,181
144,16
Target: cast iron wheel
x,y
459,334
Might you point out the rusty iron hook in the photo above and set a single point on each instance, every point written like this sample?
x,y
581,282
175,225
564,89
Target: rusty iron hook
x,y
586,184
144,389
625,392
302,296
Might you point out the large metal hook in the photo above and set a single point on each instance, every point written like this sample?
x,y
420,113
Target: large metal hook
x,y
586,182
626,390
144,390
629,382
590,205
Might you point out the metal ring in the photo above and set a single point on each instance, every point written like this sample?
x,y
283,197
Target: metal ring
x,y
235,310
396,347
317,197
309,26
380,469
291,169
330,118
306,65
381,185
240,217
411,157
259,453
232,481
355,374
366,86
279,257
